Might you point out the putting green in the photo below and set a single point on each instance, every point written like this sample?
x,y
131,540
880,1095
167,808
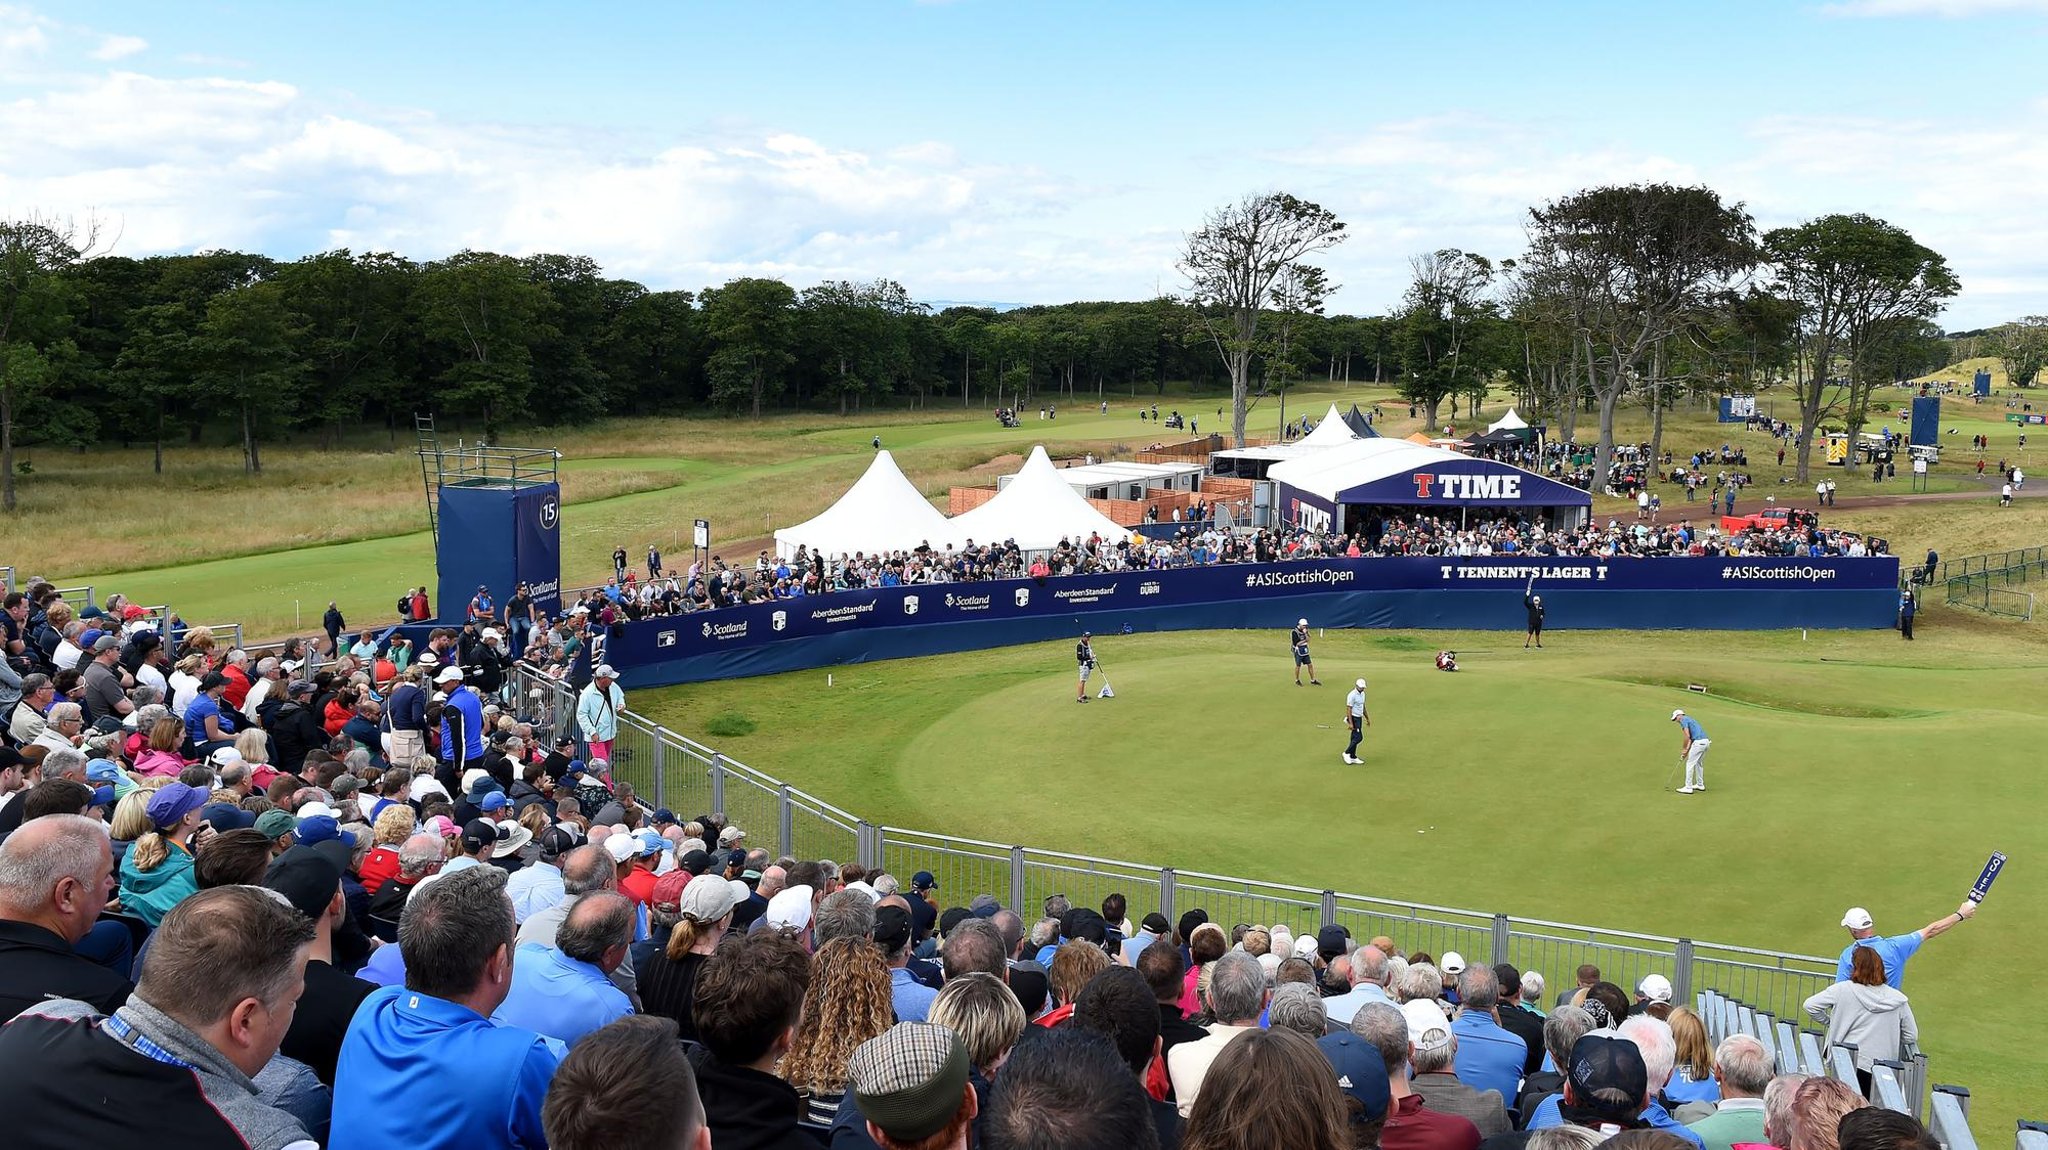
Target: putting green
x,y
1846,768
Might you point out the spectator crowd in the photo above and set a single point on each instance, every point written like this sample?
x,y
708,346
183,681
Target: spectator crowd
x,y
380,906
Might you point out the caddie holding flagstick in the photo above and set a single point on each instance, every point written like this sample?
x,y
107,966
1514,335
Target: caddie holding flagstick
x,y
1084,654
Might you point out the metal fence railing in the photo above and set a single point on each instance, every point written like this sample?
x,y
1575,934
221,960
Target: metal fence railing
x,y
2032,560
1978,591
1737,989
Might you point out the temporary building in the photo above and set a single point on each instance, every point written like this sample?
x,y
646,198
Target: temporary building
x,y
1509,422
1316,490
1037,508
882,511
1359,424
1256,462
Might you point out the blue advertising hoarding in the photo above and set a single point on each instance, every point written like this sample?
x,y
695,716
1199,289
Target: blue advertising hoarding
x,y
498,537
1405,592
1467,483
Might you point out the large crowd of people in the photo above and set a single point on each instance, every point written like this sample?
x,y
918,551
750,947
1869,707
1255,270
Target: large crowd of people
x,y
240,925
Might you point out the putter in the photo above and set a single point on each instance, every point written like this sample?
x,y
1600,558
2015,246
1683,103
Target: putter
x,y
1680,778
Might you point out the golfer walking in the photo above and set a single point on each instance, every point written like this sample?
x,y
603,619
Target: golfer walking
x,y
1298,639
1534,604
1696,744
1356,718
1084,654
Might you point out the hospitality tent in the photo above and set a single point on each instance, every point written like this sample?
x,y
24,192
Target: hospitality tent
x,y
1323,491
1037,508
882,511
1359,424
1329,433
1509,422
1256,462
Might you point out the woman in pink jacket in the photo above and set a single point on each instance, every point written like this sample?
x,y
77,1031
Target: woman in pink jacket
x,y
161,759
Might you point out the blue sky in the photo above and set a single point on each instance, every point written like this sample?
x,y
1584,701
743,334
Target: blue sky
x,y
1010,151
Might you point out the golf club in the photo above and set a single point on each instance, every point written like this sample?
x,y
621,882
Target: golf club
x,y
1680,773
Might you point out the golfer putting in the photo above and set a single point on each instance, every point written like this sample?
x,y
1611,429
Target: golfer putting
x,y
1357,719
1694,752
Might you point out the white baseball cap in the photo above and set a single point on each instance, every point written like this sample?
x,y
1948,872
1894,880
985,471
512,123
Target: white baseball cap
x,y
1428,1028
1857,919
1361,684
1301,622
1453,963
604,671
449,674
1677,715
622,846
1655,987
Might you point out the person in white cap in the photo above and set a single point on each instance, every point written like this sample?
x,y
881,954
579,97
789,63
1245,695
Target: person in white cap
x,y
597,711
1896,949
1695,752
1298,640
1653,997
462,724
1357,719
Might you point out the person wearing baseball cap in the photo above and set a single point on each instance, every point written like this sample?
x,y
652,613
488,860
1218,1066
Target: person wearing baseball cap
x,y
538,886
1434,1069
1297,640
1694,752
597,711
1356,720
278,825
1606,1085
311,881
462,724
1084,655
1898,948
910,1084
156,873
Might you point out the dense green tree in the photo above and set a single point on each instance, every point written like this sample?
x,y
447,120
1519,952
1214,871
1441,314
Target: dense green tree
x,y
482,313
1855,278
750,324
247,354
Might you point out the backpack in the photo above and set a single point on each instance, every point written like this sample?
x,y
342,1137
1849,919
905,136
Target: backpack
x,y
405,606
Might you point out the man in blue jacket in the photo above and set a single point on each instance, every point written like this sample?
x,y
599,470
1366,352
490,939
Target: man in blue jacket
x,y
423,1065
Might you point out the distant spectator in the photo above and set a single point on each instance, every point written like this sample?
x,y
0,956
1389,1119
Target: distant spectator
x,y
1368,983
1742,1069
987,1017
1069,1090
1160,965
1526,1025
176,1065
1298,1008
748,1003
1863,1011
893,930
1653,997
667,979
1119,1003
1587,975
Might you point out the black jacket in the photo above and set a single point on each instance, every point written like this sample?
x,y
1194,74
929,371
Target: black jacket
x,y
746,1109
36,965
1527,1027
295,729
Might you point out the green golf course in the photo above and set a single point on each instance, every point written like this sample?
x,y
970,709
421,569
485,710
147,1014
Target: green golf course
x,y
1846,769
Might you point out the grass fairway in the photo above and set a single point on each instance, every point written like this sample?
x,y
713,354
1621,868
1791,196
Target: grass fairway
x,y
1847,768
270,551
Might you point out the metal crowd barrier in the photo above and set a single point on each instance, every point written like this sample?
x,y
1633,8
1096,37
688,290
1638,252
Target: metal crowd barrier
x,y
1768,987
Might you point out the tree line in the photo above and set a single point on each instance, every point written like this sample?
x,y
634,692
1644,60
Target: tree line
x,y
1625,294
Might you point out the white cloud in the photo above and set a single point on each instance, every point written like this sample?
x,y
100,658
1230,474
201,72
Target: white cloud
x,y
119,47
1946,9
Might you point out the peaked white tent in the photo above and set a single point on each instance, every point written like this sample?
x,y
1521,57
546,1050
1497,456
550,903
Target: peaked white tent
x,y
882,511
1509,422
1330,432
1038,509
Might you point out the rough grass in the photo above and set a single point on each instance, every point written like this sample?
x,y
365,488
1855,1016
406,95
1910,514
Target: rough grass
x,y
347,524
1538,783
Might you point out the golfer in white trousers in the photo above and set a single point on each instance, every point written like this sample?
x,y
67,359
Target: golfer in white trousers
x,y
1696,744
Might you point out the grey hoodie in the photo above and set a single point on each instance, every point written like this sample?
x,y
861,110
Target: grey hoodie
x,y
1877,1020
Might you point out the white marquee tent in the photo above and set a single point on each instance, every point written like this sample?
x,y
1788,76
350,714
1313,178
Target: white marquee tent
x,y
1037,508
1331,432
1509,422
882,511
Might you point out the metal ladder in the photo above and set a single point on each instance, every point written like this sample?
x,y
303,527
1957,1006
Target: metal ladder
x,y
431,469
